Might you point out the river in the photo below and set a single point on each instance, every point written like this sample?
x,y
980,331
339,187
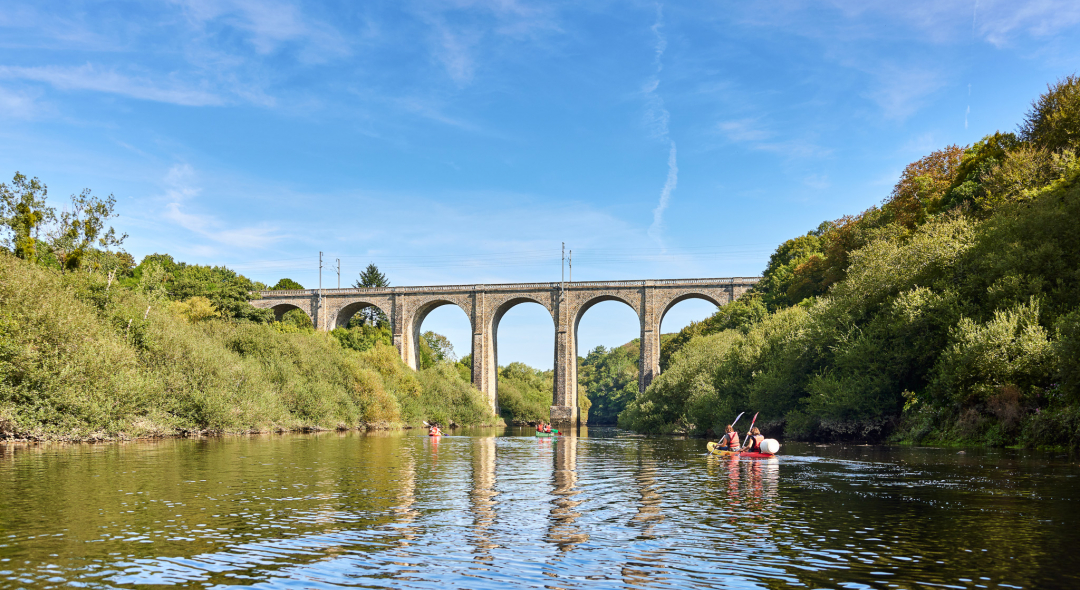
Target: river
x,y
502,509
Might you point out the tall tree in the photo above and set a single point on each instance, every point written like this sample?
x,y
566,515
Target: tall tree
x,y
82,230
371,278
22,213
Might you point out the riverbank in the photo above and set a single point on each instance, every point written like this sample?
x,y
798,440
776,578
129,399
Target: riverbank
x,y
83,358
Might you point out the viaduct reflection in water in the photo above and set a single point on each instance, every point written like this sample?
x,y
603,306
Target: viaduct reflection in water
x,y
482,496
405,513
563,531
647,568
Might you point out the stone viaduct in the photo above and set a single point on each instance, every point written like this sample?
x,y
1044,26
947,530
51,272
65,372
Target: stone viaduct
x,y
485,305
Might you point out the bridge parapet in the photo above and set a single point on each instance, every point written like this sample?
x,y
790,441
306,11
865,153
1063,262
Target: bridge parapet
x,y
485,304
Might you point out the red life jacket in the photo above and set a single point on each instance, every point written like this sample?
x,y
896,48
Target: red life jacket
x,y
732,440
756,447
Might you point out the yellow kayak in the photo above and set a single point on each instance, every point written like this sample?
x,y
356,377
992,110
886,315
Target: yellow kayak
x,y
716,450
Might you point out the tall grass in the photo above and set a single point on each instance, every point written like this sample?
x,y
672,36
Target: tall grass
x,y
81,358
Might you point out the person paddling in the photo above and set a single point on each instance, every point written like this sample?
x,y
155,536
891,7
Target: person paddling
x,y
753,441
730,440
547,428
434,430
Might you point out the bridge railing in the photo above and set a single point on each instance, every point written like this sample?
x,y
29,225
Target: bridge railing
x,y
508,286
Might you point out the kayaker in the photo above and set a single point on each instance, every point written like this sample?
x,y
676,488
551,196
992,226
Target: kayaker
x,y
753,441
547,428
540,426
730,440
434,430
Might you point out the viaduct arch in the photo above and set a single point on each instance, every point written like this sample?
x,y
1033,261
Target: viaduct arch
x,y
485,306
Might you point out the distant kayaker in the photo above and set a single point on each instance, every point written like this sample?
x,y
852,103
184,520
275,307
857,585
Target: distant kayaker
x,y
753,442
730,440
547,428
540,426
434,430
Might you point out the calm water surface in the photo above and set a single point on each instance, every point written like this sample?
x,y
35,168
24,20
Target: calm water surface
x,y
493,509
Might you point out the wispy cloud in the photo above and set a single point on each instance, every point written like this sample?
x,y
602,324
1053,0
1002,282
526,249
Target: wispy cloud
x,y
744,130
17,105
758,136
464,32
92,78
657,118
817,181
269,24
180,189
901,90
665,194
456,53
1000,22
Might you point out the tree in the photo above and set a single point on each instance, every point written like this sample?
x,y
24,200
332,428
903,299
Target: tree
x,y
922,186
436,349
371,278
22,213
1053,123
286,284
81,230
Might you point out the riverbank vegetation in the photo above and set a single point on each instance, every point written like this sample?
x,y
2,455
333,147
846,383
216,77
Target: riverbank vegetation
x,y
82,357
93,346
950,313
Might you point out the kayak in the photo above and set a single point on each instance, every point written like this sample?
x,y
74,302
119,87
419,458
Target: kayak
x,y
749,455
546,434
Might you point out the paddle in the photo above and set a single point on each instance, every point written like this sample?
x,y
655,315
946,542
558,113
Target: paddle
x,y
732,426
429,426
737,419
751,429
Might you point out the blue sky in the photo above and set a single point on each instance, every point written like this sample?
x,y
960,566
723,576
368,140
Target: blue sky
x,y
463,141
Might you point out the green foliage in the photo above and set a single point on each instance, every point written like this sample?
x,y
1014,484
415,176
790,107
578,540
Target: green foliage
x,y
976,165
780,273
286,284
361,337
1067,350
82,358
294,320
610,379
525,393
961,328
23,212
81,230
196,309
229,291
1053,123
435,349
1009,350
740,314
372,278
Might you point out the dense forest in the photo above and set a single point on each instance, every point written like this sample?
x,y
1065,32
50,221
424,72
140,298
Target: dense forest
x,y
949,313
